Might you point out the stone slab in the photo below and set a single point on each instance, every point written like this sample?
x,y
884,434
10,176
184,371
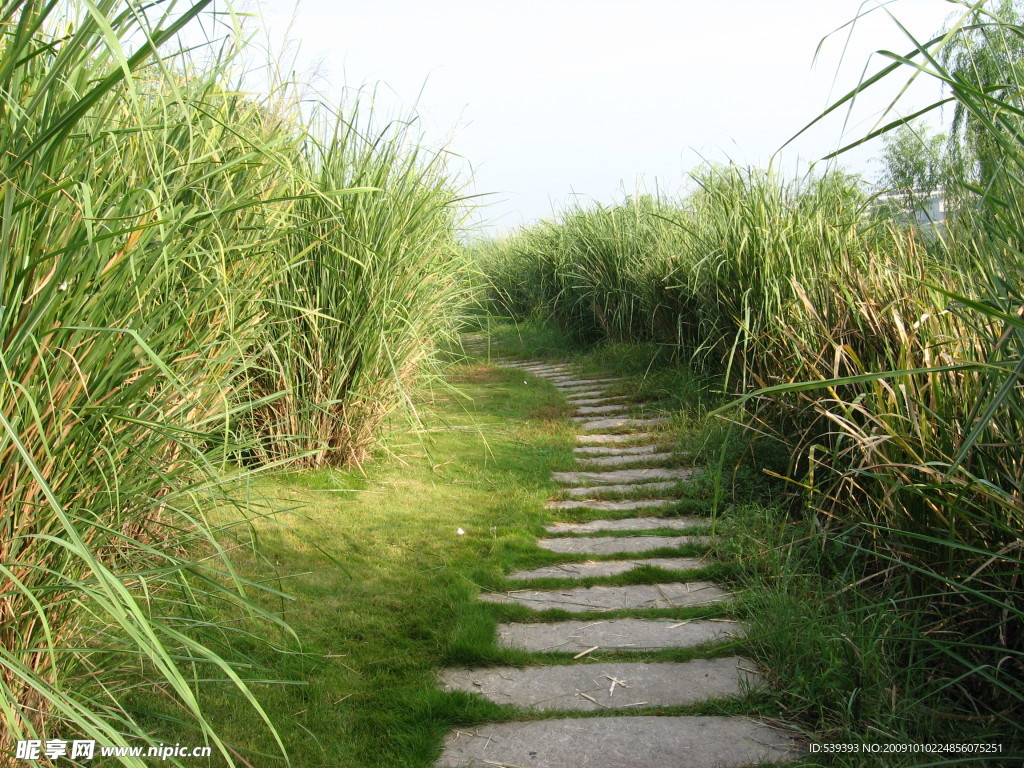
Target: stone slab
x,y
594,490
619,505
580,382
618,461
627,524
594,599
600,410
606,685
613,439
596,425
641,475
587,392
580,388
621,742
615,450
616,634
594,400
614,545
597,568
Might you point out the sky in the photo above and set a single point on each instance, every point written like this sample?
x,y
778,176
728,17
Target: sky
x,y
543,103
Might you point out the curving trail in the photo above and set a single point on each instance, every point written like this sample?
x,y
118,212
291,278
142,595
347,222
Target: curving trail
x,y
614,438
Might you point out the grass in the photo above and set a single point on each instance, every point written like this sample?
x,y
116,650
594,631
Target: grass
x,y
383,586
384,589
198,284
840,643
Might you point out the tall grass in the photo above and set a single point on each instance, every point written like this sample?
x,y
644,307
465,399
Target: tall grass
x,y
359,314
189,277
596,273
889,362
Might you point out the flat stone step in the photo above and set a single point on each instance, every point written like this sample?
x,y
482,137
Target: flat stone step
x,y
613,439
641,475
618,461
621,742
616,634
627,524
606,685
615,450
594,400
608,568
599,410
614,545
594,490
588,392
572,384
620,505
592,599
581,382
596,425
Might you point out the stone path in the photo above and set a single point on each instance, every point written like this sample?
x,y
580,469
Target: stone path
x,y
626,524
587,687
616,634
593,568
621,452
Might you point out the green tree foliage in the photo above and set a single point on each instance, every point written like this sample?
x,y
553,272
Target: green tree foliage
x,y
985,55
914,163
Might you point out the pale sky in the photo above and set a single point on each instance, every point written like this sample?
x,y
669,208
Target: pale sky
x,y
544,99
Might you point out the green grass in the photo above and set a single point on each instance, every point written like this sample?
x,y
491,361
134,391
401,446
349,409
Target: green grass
x,y
385,590
841,644
383,586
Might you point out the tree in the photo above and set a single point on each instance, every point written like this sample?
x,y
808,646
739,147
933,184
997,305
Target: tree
x,y
915,164
985,59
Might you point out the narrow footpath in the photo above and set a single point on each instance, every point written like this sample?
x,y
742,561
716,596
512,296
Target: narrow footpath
x,y
623,467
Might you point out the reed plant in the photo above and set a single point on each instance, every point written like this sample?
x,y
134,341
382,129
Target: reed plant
x,y
171,251
595,272
371,291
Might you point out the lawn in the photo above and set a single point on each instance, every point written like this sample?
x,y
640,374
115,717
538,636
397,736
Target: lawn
x,y
382,581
